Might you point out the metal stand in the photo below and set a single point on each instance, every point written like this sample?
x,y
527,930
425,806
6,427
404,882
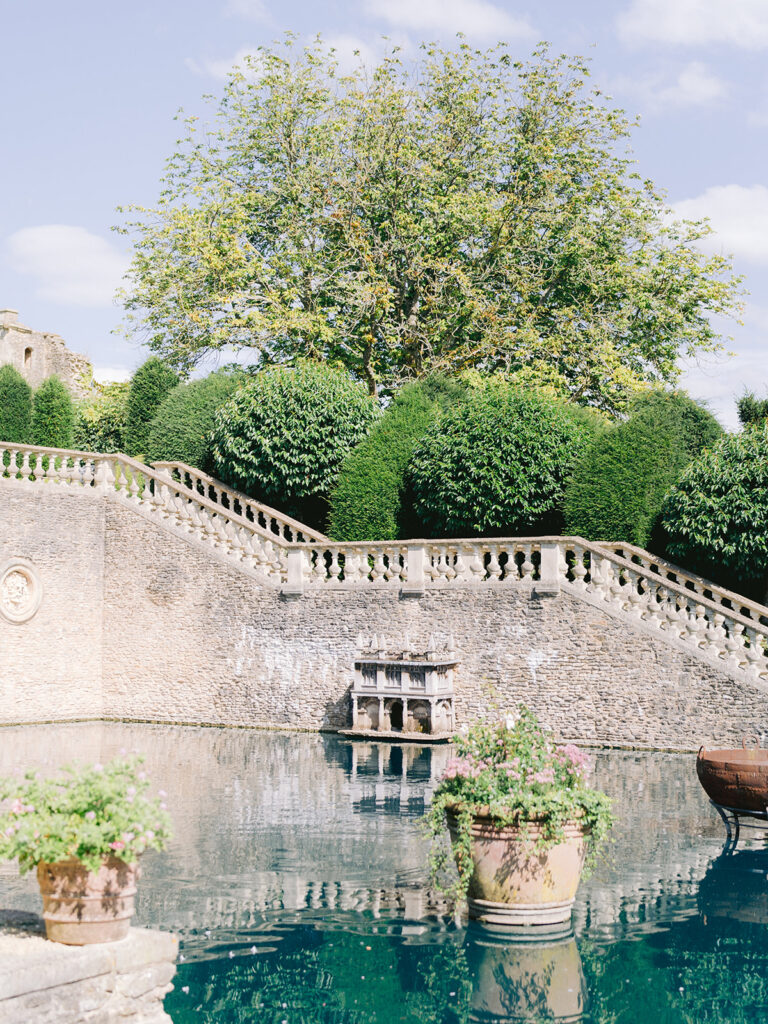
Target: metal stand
x,y
735,818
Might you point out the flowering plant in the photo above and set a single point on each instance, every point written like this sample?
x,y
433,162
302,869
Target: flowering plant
x,y
87,813
514,773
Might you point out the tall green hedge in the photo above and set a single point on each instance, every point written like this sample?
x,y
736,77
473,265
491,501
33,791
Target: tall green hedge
x,y
371,500
496,463
53,415
182,426
716,515
618,486
285,432
100,419
149,386
15,406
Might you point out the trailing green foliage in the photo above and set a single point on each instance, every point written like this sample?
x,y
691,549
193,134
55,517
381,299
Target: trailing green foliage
x,y
284,434
149,386
15,406
88,812
514,772
370,501
751,409
618,486
717,514
496,463
182,426
100,419
53,415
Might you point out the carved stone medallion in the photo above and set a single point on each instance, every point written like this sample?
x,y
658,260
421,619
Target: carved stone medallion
x,y
20,590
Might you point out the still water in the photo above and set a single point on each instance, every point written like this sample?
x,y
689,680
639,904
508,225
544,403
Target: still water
x,y
296,881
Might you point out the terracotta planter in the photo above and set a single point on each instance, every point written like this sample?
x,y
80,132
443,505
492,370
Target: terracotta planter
x,y
82,907
515,884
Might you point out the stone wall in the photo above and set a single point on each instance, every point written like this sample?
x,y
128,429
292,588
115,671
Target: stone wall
x,y
179,635
113,982
50,665
40,354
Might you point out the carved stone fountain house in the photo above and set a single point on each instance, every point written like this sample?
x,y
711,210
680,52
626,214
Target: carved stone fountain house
x,y
403,694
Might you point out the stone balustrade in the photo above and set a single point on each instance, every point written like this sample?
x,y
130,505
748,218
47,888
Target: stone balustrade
x,y
287,529
631,582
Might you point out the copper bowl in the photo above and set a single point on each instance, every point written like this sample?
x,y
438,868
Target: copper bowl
x,y
735,778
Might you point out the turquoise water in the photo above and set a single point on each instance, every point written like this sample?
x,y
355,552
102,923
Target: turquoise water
x,y
297,884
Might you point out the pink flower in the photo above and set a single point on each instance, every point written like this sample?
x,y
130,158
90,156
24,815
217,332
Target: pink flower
x,y
128,836
149,835
90,815
17,807
546,775
117,845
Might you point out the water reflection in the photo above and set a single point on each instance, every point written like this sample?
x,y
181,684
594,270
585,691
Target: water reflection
x,y
297,882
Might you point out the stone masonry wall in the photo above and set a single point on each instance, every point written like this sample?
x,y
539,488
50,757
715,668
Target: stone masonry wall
x,y
50,666
208,644
136,623
40,354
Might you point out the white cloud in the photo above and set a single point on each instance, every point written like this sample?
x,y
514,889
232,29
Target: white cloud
x,y
477,18
694,86
739,216
71,265
222,68
741,23
254,10
111,374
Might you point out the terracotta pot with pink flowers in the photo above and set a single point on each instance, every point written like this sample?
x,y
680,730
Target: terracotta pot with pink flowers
x,y
522,821
83,831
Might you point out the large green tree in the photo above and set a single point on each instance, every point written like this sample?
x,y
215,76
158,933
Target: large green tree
x,y
15,406
466,211
53,415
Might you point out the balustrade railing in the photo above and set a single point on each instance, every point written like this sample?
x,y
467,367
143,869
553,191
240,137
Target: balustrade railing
x,y
283,526
707,618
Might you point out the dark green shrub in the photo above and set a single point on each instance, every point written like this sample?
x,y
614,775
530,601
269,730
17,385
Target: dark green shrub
x,y
370,501
618,486
149,386
53,415
716,516
496,463
284,434
100,419
15,406
182,426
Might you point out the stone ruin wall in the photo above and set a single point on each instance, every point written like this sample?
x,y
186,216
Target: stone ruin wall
x,y
137,624
38,354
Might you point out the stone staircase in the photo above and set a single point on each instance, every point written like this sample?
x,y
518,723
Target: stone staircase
x,y
716,625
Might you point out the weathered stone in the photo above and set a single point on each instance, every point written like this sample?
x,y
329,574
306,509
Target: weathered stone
x,y
39,354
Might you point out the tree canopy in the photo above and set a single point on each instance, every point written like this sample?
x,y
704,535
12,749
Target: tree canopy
x,y
15,406
53,415
464,211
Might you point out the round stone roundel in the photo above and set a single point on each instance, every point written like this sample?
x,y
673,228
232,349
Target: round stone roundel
x,y
20,590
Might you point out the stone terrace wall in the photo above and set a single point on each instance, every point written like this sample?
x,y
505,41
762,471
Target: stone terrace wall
x,y
208,644
50,666
135,622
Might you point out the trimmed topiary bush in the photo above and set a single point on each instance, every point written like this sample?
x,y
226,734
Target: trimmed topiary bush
x,y
182,427
15,406
716,516
496,464
100,419
149,386
618,486
371,500
53,415
284,434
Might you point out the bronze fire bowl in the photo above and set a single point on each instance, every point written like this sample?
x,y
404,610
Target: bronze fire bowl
x,y
735,778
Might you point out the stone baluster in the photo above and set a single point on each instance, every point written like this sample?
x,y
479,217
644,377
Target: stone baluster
x,y
38,471
734,645
579,570
477,563
378,569
460,567
526,569
13,468
494,568
334,569
353,571
26,472
755,653
635,601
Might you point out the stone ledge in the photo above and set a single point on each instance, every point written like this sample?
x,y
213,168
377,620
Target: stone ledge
x,y
30,964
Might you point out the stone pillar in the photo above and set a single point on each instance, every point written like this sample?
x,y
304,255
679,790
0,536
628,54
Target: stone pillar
x,y
294,585
549,571
414,579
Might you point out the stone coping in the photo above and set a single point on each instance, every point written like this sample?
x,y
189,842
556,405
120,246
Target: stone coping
x,y
30,963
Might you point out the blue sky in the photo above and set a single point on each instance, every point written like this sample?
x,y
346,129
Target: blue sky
x,y
88,93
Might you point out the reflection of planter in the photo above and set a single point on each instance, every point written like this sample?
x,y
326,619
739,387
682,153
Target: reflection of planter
x,y
81,907
735,778
513,883
525,981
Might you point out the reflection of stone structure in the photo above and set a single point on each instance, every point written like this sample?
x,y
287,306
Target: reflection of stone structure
x,y
407,692
38,354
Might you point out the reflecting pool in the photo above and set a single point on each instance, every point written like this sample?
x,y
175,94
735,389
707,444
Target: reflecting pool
x,y
296,881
